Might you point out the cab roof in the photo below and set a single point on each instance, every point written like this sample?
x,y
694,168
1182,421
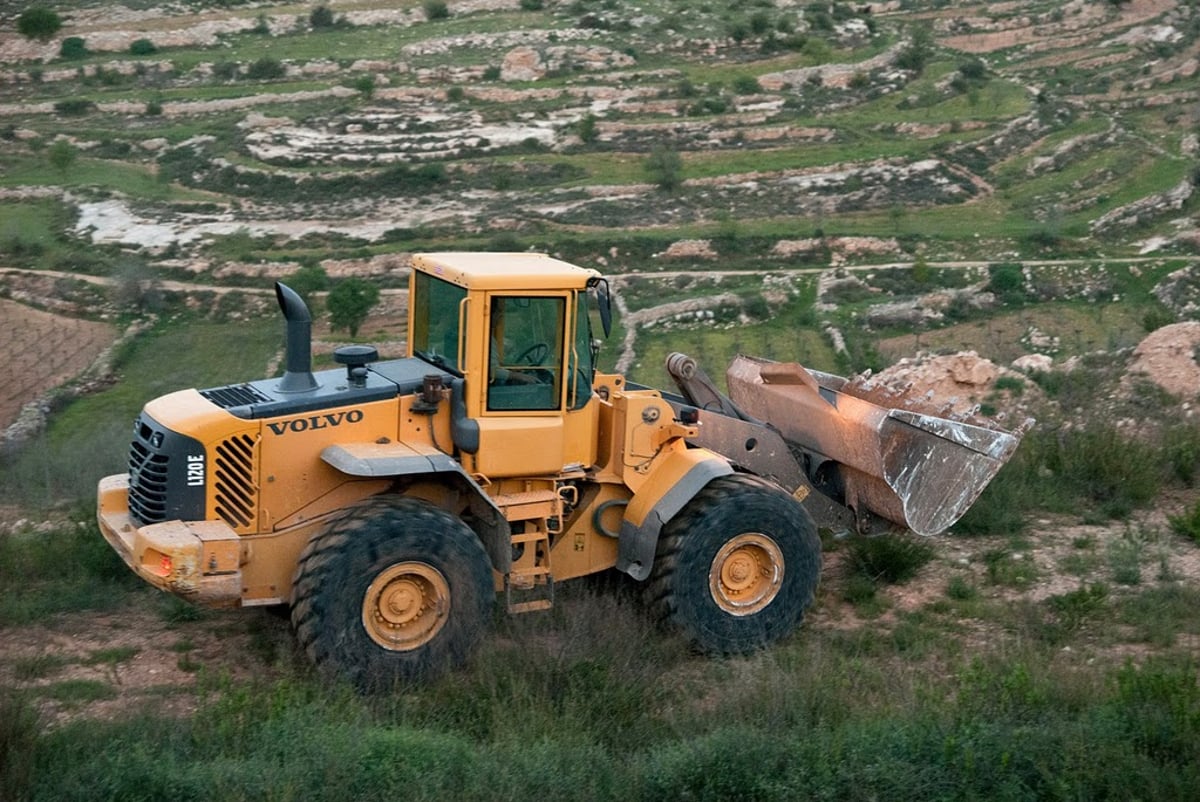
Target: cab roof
x,y
477,270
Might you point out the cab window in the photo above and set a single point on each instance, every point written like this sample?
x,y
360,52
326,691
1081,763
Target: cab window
x,y
435,334
525,353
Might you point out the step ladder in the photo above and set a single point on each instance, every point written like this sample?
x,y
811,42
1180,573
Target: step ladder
x,y
529,584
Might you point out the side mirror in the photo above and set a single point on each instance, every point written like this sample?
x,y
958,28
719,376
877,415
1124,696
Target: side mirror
x,y
603,303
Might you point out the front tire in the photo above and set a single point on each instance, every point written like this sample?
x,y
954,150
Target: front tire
x,y
394,590
736,569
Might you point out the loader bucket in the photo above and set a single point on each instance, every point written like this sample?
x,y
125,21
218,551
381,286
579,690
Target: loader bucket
x,y
915,470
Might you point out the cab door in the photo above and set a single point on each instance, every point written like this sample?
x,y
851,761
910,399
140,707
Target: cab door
x,y
534,414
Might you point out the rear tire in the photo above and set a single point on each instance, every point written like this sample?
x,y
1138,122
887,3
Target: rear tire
x,y
736,569
394,590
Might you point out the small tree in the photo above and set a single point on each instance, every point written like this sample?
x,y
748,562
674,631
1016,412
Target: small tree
x,y
919,50
38,23
309,279
587,129
664,167
349,302
62,155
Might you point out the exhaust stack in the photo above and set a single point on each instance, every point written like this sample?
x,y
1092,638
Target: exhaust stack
x,y
298,377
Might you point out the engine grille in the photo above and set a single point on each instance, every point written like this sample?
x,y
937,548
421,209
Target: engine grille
x,y
148,474
236,486
234,395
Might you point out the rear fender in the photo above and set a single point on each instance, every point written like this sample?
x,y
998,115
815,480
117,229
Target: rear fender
x,y
674,482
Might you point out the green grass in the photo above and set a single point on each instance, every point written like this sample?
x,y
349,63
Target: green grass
x,y
61,571
130,179
624,717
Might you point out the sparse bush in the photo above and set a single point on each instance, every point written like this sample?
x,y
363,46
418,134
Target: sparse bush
x,y
1188,524
587,130
1075,607
20,725
665,167
1110,473
1156,317
1013,384
61,155
889,558
960,589
225,70
38,23
533,5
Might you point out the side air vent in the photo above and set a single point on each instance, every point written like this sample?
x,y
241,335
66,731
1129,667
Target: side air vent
x,y
236,485
148,474
235,395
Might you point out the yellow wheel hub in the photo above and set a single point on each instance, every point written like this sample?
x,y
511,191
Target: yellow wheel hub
x,y
406,606
746,574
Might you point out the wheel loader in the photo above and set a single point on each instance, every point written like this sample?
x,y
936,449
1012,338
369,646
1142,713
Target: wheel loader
x,y
390,503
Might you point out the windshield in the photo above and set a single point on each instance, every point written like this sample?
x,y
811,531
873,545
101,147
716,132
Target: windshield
x,y
435,334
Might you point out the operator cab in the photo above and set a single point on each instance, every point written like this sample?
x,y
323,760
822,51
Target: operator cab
x,y
514,327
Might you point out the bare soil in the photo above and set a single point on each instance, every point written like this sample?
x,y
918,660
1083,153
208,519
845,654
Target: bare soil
x,y
43,350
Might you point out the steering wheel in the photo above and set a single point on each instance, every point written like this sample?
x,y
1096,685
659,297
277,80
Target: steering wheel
x,y
535,354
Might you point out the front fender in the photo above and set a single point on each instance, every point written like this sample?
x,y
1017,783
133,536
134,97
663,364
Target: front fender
x,y
673,483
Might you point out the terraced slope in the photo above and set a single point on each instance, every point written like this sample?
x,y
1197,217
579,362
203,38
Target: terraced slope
x,y
397,124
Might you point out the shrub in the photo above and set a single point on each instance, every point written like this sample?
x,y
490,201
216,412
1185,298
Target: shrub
x,y
225,70
664,166
1007,281
73,47
74,107
745,85
435,9
321,17
153,108
1188,524
38,23
889,558
142,47
587,129
533,5
265,69
491,73
365,84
